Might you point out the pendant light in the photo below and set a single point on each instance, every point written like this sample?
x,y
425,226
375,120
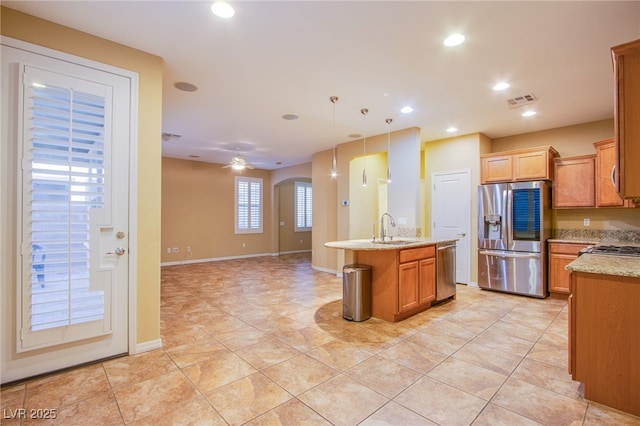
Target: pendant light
x,y
364,112
334,165
388,121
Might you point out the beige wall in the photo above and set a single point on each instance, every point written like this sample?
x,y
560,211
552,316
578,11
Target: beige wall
x,y
325,212
568,141
149,68
198,212
288,239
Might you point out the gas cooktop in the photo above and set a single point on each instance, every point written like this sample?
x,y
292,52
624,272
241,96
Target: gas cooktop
x,y
613,250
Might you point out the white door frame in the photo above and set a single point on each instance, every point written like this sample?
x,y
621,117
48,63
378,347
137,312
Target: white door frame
x,y
8,272
467,253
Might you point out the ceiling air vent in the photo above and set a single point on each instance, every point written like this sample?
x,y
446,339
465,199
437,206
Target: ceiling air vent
x,y
520,101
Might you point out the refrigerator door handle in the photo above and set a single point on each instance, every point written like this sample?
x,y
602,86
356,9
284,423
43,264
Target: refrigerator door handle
x,y
515,255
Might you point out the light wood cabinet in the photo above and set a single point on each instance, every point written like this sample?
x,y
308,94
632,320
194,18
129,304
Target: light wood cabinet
x,y
626,68
518,165
403,281
606,192
604,347
574,182
560,255
496,168
416,284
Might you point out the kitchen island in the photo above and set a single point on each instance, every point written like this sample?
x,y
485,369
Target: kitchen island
x,y
403,274
604,329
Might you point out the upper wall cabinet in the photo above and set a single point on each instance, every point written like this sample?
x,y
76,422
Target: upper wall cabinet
x,y
587,180
574,182
518,165
606,194
626,69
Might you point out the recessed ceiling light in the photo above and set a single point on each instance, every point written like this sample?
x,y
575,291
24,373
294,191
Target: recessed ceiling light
x,y
222,10
501,86
355,135
452,129
290,117
406,110
194,156
529,113
184,86
454,40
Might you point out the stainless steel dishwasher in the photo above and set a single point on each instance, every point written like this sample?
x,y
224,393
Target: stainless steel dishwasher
x,y
446,270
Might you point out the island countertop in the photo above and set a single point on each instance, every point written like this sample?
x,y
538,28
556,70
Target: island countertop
x,y
625,266
395,244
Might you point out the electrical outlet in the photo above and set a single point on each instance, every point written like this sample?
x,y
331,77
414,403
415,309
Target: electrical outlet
x,y
168,249
587,222
300,241
188,249
174,250
243,245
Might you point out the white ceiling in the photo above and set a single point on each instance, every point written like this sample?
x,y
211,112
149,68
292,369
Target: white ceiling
x,y
274,58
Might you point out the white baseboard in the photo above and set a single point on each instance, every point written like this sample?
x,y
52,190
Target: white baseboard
x,y
331,271
295,251
151,345
215,259
473,284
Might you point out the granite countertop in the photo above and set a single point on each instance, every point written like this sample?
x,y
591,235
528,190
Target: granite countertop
x,y
625,266
573,241
396,244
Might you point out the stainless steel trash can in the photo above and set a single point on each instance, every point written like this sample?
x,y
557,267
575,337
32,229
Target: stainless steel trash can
x,y
356,292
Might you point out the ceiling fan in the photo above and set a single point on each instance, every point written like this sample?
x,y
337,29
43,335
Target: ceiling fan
x,y
239,163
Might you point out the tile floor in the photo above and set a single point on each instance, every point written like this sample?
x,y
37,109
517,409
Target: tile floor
x,y
262,342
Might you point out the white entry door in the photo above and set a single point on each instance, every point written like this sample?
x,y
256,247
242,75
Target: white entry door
x,y
70,126
451,216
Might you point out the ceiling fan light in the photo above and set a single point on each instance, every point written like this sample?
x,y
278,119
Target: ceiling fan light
x,y
222,10
237,166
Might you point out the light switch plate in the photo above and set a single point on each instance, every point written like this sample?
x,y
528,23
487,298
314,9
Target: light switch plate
x,y
587,221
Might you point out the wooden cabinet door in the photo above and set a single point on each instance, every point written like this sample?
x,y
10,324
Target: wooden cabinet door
x,y
408,277
606,192
626,68
427,281
498,168
560,255
574,182
560,278
531,165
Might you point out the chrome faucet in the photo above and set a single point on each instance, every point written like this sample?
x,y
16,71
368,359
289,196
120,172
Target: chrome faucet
x,y
382,230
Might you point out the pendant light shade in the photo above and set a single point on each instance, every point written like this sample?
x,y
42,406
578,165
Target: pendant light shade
x,y
364,112
388,121
334,163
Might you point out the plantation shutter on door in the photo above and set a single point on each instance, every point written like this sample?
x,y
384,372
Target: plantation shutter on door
x,y
64,192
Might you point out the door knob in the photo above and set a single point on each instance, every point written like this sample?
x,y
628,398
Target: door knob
x,y
462,234
119,251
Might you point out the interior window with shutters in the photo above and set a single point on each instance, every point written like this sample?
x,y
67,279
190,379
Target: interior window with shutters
x,y
248,212
303,203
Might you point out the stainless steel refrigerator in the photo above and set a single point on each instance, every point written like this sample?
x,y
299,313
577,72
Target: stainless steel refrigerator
x,y
514,223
